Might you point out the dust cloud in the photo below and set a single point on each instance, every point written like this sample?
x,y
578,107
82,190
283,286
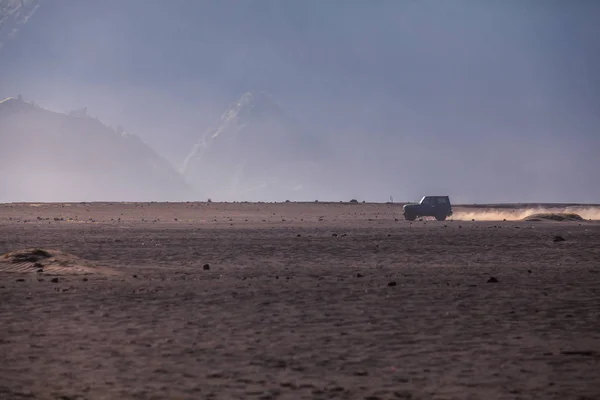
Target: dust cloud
x,y
516,214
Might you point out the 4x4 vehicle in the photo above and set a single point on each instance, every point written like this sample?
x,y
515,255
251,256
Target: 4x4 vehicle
x,y
429,206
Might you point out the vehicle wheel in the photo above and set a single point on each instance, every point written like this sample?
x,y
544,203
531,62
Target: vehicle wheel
x,y
440,217
410,217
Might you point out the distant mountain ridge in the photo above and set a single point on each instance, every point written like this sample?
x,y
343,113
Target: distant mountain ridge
x,y
256,152
48,156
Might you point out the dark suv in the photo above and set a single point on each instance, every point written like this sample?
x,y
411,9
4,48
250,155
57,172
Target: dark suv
x,y
429,206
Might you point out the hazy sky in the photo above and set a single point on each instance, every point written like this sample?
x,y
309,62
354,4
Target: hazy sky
x,y
485,100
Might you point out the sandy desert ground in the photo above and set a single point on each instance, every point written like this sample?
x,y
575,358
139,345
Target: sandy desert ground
x,y
297,301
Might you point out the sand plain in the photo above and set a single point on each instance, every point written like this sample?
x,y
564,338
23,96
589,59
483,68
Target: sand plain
x,y
299,301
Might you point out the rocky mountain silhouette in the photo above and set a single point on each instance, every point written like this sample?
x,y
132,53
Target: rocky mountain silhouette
x,y
48,156
257,152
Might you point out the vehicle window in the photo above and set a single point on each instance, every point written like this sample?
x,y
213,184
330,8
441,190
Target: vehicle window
x,y
442,200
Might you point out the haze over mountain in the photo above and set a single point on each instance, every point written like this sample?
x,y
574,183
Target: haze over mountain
x,y
258,152
58,157
485,101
